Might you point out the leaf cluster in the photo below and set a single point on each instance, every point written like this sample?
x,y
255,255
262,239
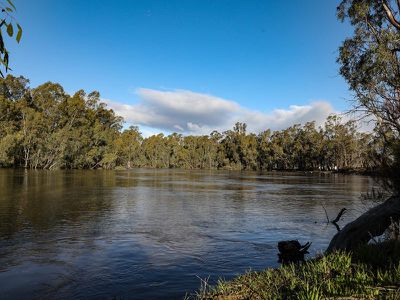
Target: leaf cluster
x,y
13,30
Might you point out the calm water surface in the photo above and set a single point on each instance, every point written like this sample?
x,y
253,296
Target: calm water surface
x,y
151,234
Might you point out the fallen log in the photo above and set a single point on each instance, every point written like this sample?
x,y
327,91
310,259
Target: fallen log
x,y
371,224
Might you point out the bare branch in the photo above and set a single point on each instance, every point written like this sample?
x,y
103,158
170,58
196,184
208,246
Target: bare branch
x,y
390,15
340,214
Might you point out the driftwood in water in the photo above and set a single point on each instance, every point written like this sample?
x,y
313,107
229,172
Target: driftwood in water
x,y
292,251
372,223
334,222
340,214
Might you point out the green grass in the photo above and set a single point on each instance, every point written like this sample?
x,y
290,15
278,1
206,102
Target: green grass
x,y
337,275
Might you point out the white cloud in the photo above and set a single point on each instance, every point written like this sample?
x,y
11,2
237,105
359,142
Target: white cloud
x,y
195,113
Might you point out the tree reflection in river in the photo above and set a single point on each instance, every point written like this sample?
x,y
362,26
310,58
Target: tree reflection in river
x,y
150,233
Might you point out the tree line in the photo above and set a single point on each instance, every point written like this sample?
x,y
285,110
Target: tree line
x,y
46,128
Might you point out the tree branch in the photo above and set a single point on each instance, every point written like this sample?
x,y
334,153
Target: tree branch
x,y
390,15
370,224
340,214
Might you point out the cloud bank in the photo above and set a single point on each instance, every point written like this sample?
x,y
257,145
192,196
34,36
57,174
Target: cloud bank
x,y
195,113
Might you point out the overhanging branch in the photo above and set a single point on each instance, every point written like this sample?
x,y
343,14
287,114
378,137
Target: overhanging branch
x,y
390,15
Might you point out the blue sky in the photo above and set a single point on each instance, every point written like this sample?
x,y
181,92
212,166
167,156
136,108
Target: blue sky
x,y
160,62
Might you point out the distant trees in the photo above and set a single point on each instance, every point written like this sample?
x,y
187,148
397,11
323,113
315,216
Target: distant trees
x,y
128,147
46,128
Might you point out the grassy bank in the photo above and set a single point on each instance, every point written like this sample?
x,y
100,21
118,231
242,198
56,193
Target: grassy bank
x,y
372,273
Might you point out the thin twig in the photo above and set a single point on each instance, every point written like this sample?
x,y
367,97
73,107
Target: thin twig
x,y
326,214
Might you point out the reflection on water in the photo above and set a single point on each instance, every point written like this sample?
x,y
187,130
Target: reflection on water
x,y
152,233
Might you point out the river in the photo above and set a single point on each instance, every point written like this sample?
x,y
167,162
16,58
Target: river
x,y
153,234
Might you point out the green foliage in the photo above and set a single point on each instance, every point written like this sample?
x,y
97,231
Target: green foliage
x,y
6,21
370,63
332,276
44,127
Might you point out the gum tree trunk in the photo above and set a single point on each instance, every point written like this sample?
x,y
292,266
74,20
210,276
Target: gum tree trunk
x,y
372,223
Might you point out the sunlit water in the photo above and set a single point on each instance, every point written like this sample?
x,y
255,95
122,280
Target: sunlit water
x,y
152,234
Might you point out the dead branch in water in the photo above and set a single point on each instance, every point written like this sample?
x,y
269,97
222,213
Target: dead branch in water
x,y
340,214
337,219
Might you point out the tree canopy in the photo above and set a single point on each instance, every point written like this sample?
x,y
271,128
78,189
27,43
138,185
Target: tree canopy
x,y
370,58
370,63
44,127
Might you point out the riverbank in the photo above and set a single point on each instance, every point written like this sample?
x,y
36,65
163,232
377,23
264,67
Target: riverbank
x,y
361,172
373,272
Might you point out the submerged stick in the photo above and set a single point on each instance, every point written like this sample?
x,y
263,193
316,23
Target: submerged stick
x,y
326,214
337,219
340,214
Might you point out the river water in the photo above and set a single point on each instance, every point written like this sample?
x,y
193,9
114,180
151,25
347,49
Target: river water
x,y
153,234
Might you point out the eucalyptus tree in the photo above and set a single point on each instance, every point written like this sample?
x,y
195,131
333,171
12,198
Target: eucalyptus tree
x,y
174,145
44,120
370,64
218,149
230,143
278,155
155,151
311,141
129,147
340,142
264,150
370,58
13,91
